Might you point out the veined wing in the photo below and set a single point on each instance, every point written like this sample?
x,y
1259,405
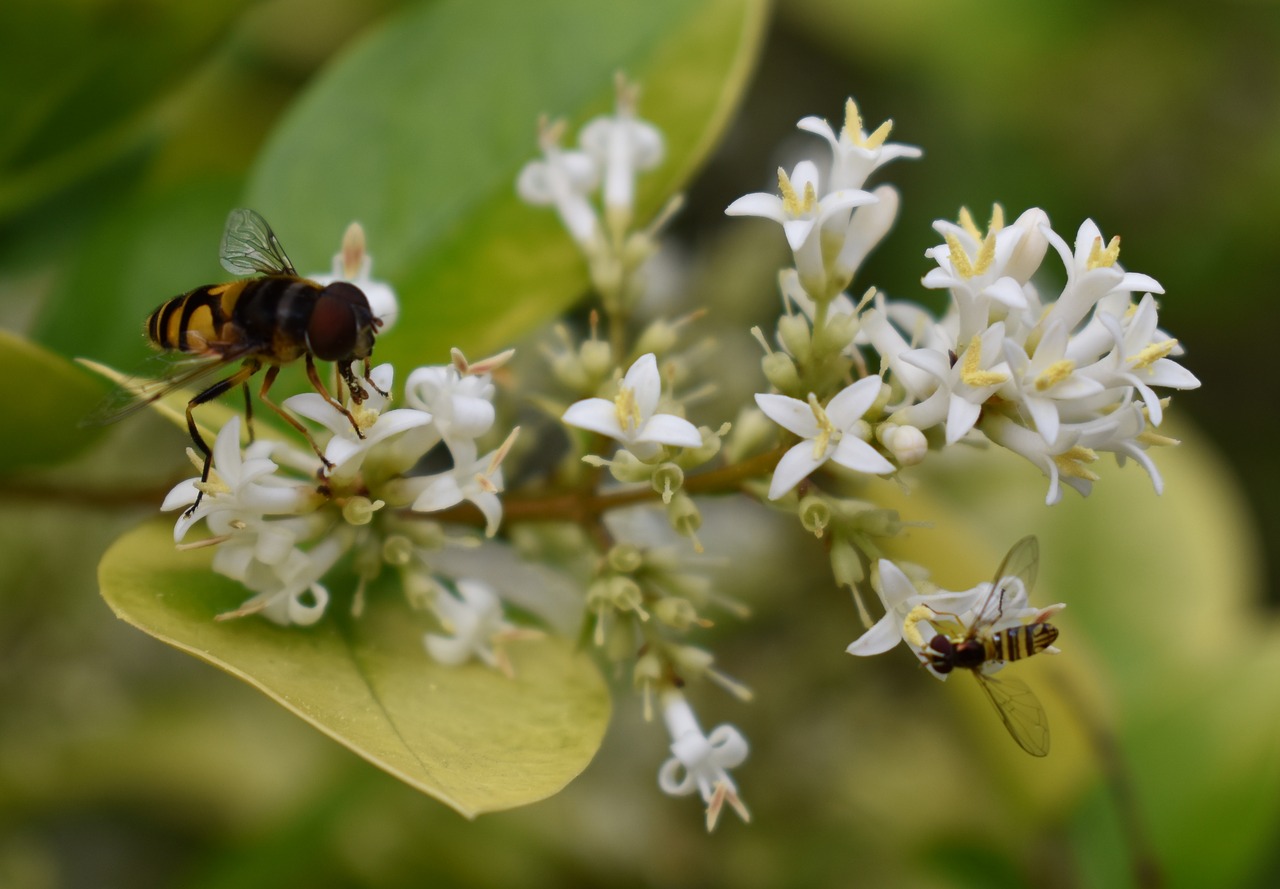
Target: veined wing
x,y
1021,562
250,247
171,375
1020,711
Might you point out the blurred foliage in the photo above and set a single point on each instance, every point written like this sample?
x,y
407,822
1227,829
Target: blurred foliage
x,y
131,128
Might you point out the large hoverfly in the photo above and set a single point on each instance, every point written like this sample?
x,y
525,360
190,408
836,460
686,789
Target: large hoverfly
x,y
268,320
976,646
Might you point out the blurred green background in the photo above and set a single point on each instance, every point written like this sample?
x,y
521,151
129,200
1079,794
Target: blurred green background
x,y
130,128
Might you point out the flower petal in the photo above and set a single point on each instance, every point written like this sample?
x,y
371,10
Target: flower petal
x,y
789,413
795,465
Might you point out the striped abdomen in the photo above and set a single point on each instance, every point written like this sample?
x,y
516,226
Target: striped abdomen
x,y
1015,643
268,315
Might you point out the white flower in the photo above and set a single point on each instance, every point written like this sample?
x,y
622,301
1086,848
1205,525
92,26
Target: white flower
x,y
816,224
981,269
829,433
460,406
288,591
1047,380
478,481
701,762
242,488
353,264
631,416
347,450
474,621
563,179
1093,274
854,153
622,145
963,386
900,597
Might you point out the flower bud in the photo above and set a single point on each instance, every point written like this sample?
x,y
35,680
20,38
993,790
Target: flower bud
x,y
836,335
659,337
846,566
397,550
625,595
667,479
683,514
879,522
596,357
815,514
795,336
626,467
780,370
359,510
624,558
675,612
906,444
692,457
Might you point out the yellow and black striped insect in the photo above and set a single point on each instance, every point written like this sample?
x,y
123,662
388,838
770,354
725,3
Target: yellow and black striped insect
x,y
975,647
265,321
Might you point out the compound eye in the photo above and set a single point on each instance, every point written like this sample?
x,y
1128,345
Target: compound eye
x,y
332,330
941,644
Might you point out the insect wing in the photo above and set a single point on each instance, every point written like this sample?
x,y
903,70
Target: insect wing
x,y
1020,711
170,375
250,247
1021,562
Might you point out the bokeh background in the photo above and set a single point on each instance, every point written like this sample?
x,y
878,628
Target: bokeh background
x,y
125,764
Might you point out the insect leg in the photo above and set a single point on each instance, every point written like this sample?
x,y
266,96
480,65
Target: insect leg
x,y
370,381
241,376
248,412
293,421
319,387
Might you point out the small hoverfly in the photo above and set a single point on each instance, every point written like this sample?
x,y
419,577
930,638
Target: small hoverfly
x,y
976,646
268,320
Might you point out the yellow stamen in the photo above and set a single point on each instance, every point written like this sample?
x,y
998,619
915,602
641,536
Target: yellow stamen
x,y
972,374
967,223
792,204
627,409
1152,353
823,440
964,266
959,259
1071,463
1155,439
1100,258
1054,373
851,132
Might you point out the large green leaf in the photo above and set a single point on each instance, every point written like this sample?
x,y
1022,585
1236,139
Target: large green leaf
x,y
468,736
42,425
419,133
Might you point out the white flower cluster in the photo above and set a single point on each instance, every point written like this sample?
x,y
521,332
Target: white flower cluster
x,y
1055,376
280,524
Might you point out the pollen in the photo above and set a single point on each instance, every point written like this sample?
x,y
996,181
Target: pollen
x,y
965,266
1071,463
851,132
1055,373
972,373
627,409
1103,258
792,203
1152,353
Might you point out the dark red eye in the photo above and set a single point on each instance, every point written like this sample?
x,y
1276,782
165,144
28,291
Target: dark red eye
x,y
342,324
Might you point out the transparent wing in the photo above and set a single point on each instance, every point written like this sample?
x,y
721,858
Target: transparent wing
x,y
163,375
1020,711
1022,562
250,247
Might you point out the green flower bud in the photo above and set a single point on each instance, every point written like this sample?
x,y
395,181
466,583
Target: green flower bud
x,y
780,370
676,612
667,480
624,558
795,336
597,358
397,550
846,566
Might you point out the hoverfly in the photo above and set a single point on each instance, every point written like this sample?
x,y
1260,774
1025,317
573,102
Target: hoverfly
x,y
976,646
268,320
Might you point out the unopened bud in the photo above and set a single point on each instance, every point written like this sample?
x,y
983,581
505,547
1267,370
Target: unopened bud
x,y
846,566
906,444
677,613
795,336
780,370
597,358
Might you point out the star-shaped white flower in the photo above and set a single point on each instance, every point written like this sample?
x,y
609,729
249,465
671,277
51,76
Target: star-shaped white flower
x,y
1047,381
352,263
900,597
622,145
474,622
563,179
346,450
478,481
1093,274
964,383
808,218
855,154
701,762
242,488
631,416
829,433
460,404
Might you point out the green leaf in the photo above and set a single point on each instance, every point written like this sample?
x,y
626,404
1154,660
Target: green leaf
x,y
42,424
468,736
420,131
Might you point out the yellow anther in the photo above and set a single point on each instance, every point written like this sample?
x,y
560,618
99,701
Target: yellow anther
x,y
627,409
1054,373
959,259
852,130
1071,463
1152,438
1152,353
911,625
1103,258
972,374
965,266
967,223
792,203
364,416
352,251
823,439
